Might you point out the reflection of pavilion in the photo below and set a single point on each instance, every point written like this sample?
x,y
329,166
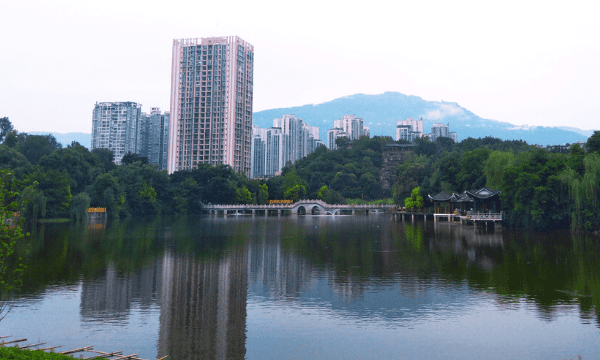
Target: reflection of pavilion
x,y
469,241
203,307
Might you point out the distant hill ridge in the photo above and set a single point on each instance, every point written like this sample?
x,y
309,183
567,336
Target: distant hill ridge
x,y
380,113
67,138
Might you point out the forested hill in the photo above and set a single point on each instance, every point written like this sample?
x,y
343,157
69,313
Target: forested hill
x,y
380,113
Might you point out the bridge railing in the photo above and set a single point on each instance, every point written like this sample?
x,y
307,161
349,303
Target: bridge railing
x,y
472,215
299,203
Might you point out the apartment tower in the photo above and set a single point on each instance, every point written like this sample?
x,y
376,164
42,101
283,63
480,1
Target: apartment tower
x,y
211,103
114,127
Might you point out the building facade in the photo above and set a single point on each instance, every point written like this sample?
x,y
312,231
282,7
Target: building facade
x,y
211,103
333,135
349,126
409,129
289,140
114,127
441,130
153,136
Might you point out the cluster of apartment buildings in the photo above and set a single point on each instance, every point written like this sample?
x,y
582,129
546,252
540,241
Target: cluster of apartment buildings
x,y
349,126
210,118
123,128
411,129
289,140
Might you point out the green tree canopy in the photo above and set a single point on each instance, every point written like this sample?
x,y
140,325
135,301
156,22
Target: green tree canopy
x,y
5,128
34,147
415,200
593,142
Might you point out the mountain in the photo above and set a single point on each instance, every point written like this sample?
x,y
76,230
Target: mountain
x,y
66,139
380,113
586,133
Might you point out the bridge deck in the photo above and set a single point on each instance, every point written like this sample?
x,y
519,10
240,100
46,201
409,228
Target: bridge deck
x,y
307,205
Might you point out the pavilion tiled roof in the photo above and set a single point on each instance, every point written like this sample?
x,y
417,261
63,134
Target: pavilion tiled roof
x,y
466,196
441,196
484,193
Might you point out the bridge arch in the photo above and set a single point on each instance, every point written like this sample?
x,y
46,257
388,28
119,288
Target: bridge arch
x,y
301,210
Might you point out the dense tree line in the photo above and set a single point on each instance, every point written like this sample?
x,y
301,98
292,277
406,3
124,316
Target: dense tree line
x,y
541,189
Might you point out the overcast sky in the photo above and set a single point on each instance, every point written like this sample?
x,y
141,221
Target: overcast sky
x,y
535,62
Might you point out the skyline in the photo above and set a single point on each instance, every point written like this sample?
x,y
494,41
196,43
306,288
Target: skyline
x,y
537,66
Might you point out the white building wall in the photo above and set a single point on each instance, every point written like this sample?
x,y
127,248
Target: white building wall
x,y
211,103
115,127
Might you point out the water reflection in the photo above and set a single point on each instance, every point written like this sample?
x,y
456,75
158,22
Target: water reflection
x,y
203,307
211,284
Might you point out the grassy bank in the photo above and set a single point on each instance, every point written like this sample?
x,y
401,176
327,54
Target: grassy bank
x,y
20,354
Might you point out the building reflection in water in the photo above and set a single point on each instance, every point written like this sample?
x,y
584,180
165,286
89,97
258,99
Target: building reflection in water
x,y
203,307
109,297
314,261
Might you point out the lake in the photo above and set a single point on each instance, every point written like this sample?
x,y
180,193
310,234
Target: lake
x,y
310,287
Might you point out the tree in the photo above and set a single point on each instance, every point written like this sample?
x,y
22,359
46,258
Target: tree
x,y
576,155
33,204
81,165
593,142
11,265
263,194
79,205
244,196
471,175
275,185
415,200
11,159
343,143
34,147
5,128
295,193
107,158
107,192
410,175
425,147
56,187
322,194
494,166
131,158
444,144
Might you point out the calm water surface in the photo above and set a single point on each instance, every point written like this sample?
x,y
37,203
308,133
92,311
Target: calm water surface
x,y
310,287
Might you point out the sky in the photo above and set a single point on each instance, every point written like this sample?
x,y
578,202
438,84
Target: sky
x,y
523,62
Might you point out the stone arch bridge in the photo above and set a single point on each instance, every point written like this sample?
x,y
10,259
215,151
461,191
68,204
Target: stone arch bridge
x,y
302,207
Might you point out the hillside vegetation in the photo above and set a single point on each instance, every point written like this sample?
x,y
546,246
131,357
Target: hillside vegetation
x,y
541,189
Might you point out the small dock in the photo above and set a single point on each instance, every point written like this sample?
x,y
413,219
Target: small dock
x,y
92,354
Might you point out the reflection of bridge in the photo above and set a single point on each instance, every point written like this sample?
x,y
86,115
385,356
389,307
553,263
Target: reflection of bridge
x,y
302,207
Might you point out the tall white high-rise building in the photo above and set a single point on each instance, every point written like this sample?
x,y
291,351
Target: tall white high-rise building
x,y
211,103
114,127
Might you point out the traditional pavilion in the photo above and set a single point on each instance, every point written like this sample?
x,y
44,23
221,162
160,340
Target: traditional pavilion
x,y
482,200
